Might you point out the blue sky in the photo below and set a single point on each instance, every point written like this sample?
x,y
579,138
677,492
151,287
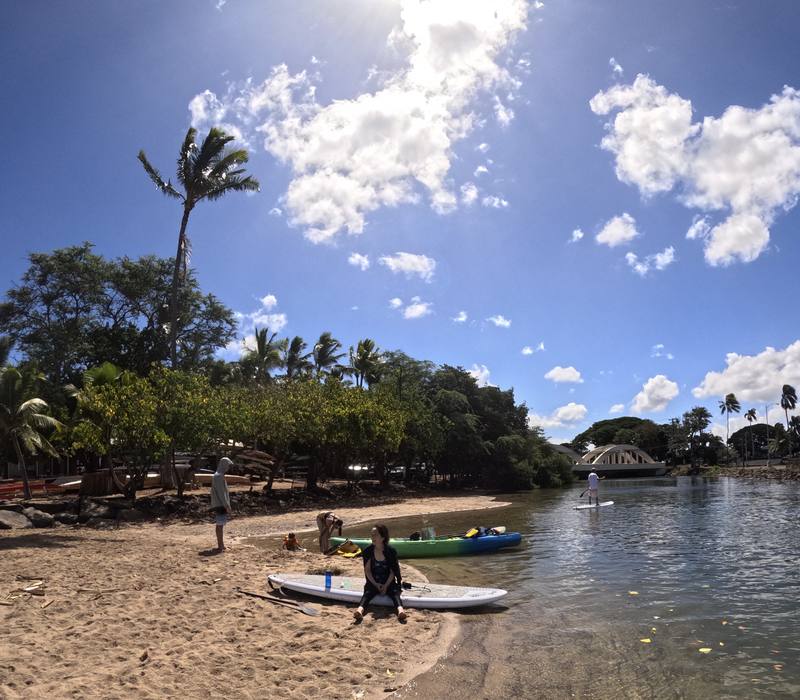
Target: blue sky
x,y
473,138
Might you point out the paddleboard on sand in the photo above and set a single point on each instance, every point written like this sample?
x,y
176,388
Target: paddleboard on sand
x,y
586,507
348,589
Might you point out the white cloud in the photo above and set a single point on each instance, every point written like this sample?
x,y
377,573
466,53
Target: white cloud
x,y
617,408
500,321
577,234
248,322
560,418
754,377
481,374
350,157
527,350
220,4
616,68
503,114
269,301
417,308
483,147
358,260
395,303
469,193
495,202
658,261
619,230
275,322
658,350
410,264
276,211
480,170
460,317
656,393
745,163
564,374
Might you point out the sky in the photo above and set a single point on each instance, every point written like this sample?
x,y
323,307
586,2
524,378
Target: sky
x,y
590,203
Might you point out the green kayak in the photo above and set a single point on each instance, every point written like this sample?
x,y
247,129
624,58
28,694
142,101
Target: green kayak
x,y
441,546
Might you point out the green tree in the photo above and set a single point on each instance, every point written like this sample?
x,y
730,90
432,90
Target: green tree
x,y
208,172
695,421
751,417
365,362
326,355
788,403
296,359
5,350
24,423
730,404
266,356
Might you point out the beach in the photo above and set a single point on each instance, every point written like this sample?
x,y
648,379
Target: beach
x,y
145,611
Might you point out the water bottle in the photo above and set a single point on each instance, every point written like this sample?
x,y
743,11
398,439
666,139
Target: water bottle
x,y
328,576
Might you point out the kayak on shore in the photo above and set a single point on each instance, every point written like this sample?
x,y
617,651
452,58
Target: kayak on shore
x,y
440,546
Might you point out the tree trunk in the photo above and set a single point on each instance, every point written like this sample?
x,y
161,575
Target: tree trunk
x,y
180,256
26,487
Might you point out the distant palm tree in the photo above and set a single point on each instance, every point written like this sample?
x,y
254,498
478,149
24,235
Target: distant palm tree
x,y
788,403
326,357
751,416
265,356
208,172
730,404
296,360
23,420
365,362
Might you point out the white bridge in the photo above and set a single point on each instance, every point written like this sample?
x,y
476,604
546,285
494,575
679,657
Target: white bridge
x,y
618,460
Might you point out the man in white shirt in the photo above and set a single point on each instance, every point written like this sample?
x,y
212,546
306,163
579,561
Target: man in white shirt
x,y
594,482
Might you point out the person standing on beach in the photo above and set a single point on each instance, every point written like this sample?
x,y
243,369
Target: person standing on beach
x,y
221,500
594,483
382,571
326,523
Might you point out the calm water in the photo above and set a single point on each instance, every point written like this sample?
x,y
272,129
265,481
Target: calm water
x,y
715,564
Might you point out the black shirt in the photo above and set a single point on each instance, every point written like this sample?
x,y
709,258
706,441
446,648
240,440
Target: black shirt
x,y
390,554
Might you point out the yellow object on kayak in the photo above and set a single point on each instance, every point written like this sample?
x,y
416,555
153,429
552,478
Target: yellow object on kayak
x,y
472,533
348,549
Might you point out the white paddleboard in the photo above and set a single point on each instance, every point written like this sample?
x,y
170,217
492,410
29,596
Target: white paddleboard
x,y
586,507
349,589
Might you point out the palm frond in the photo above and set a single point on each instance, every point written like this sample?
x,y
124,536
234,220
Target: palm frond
x,y
40,421
248,184
231,159
164,185
32,407
188,147
210,151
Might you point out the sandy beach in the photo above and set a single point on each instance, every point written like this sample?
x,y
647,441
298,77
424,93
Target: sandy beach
x,y
141,611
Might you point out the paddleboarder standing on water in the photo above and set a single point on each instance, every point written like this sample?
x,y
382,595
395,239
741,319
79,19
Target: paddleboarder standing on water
x,y
594,482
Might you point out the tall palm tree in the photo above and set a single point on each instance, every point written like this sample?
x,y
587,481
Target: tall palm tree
x,y
326,357
208,172
751,416
266,355
730,404
296,360
23,420
365,362
788,403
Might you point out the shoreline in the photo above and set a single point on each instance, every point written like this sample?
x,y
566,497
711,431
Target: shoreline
x,y
139,610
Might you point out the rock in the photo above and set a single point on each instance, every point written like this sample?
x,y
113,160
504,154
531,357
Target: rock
x,y
10,520
51,506
38,517
66,518
99,523
131,516
10,505
91,509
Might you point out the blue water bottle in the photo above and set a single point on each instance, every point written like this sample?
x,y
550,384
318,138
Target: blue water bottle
x,y
327,580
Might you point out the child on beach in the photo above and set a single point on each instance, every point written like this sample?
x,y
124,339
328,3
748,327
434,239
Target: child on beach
x,y
382,571
326,523
221,500
292,544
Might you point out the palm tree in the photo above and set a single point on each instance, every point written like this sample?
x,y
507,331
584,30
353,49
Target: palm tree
x,y
751,416
730,404
208,172
265,356
296,360
326,359
23,420
365,362
788,403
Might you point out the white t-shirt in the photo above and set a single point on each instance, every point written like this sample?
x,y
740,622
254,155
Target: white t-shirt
x,y
593,480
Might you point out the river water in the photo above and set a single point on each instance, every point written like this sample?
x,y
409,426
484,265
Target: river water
x,y
707,570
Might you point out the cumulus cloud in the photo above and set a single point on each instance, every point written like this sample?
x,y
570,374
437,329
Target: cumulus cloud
x,y
483,147
269,301
350,157
503,113
410,264
469,193
500,321
460,317
564,374
656,393
528,350
616,68
616,408
494,202
481,374
395,303
754,377
417,308
358,260
658,261
617,231
480,170
577,235
562,417
744,164
658,350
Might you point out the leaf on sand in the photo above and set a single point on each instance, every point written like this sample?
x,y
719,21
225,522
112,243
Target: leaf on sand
x,y
704,650
390,674
646,640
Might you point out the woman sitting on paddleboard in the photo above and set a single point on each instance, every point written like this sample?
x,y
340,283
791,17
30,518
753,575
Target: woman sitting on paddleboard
x,y
382,571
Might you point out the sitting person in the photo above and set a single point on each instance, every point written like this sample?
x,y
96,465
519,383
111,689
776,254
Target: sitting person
x,y
292,544
327,523
382,572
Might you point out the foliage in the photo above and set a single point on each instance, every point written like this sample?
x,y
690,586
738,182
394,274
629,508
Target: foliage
x,y
626,430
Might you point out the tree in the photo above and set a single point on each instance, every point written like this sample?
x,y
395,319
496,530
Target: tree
x,y
264,357
208,172
728,405
695,421
365,362
23,418
751,417
326,357
5,350
788,403
296,359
